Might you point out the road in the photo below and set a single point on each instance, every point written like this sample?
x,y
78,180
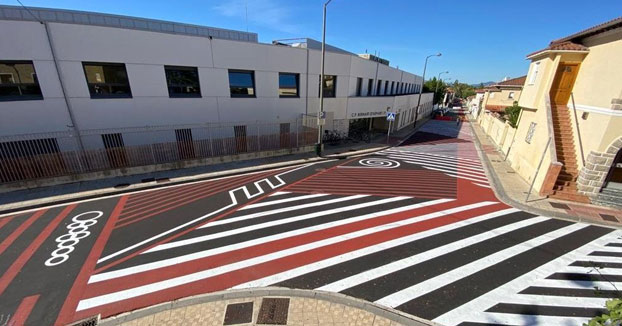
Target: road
x,y
415,227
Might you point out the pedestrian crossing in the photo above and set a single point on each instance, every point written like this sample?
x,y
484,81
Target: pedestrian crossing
x,y
426,257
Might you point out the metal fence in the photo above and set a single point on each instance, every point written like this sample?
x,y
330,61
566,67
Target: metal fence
x,y
34,156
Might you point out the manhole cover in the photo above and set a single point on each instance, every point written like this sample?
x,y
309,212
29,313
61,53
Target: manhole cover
x,y
273,311
239,313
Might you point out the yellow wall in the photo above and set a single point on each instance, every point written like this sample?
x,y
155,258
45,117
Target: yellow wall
x,y
502,97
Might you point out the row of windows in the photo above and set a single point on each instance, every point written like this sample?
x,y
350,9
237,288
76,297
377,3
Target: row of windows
x,y
395,88
18,81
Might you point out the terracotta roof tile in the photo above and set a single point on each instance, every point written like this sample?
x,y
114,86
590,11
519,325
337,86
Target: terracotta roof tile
x,y
518,81
614,23
562,46
496,108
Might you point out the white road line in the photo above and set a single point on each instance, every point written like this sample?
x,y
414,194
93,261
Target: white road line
x,y
234,202
439,155
427,156
437,160
236,246
457,172
395,266
458,175
481,185
281,210
516,319
592,270
452,169
201,275
280,201
454,165
475,307
601,285
429,285
276,278
555,301
278,193
602,259
203,238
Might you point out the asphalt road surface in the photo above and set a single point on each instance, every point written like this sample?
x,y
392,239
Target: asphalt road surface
x,y
414,227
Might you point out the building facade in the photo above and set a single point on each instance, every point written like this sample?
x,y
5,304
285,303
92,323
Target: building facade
x,y
112,75
572,100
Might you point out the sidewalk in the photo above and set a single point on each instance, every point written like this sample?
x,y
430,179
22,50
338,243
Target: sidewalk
x,y
512,189
58,194
272,306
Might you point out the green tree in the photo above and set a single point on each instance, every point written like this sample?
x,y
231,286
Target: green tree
x,y
438,87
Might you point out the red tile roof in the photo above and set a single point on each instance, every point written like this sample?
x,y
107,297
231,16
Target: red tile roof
x,y
572,42
562,46
496,108
518,81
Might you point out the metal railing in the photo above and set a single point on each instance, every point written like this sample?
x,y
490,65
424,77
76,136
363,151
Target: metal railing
x,y
44,155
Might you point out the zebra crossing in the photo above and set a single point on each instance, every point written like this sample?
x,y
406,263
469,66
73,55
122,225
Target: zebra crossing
x,y
417,255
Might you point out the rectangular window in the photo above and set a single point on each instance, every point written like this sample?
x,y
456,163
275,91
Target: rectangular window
x,y
359,86
370,86
288,85
492,95
386,87
392,88
182,81
18,81
378,87
242,83
534,73
511,95
107,80
330,85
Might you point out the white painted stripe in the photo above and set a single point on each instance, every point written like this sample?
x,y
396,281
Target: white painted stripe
x,y
218,235
280,201
602,259
448,159
454,165
397,265
592,270
465,178
438,155
475,307
436,167
201,275
281,210
556,301
236,246
276,278
481,185
437,160
573,284
278,193
459,173
234,202
429,285
516,319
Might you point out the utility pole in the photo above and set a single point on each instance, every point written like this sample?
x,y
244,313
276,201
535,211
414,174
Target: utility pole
x,y
421,90
320,115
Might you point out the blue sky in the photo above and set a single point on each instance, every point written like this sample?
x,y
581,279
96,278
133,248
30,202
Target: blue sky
x,y
481,40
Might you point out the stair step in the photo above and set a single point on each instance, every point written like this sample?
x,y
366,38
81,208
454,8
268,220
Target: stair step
x,y
570,196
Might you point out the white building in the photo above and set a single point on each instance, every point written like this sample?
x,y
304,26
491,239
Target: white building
x,y
92,73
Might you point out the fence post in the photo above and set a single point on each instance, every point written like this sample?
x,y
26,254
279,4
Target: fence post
x,y
258,142
209,137
297,133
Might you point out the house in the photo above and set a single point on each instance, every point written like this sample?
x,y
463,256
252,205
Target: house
x,y
569,139
475,103
499,96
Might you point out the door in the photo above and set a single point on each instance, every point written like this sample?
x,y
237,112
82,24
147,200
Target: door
x,y
563,83
614,179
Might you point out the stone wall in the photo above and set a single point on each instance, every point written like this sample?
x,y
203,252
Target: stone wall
x,y
597,165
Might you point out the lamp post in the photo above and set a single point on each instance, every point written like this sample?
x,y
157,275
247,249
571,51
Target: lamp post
x,y
421,90
320,114
439,80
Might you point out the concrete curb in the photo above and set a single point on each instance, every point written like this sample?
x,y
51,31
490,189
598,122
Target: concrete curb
x,y
101,193
500,193
378,310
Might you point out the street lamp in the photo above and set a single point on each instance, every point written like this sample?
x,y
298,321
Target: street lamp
x,y
437,81
422,82
320,113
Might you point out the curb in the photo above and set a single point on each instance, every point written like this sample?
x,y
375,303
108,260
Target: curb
x,y
183,180
500,193
376,309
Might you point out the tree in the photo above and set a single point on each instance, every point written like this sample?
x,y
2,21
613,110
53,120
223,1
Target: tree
x,y
512,113
463,90
437,86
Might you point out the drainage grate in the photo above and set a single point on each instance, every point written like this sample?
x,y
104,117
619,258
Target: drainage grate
x,y
91,321
158,180
273,311
559,205
239,313
609,218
